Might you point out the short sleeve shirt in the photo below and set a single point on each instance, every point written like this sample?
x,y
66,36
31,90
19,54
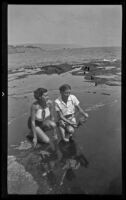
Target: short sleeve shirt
x,y
66,108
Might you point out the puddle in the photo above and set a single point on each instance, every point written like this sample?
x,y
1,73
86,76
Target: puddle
x,y
75,69
100,67
119,73
105,76
109,67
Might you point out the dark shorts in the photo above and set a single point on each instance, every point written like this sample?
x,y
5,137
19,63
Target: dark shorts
x,y
37,123
64,124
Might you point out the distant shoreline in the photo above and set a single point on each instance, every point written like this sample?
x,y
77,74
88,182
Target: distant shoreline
x,y
12,49
58,45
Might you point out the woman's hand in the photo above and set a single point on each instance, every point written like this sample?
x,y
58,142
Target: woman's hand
x,y
73,124
34,141
86,115
82,120
82,111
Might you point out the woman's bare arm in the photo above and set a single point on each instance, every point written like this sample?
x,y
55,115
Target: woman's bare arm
x,y
81,111
63,118
33,111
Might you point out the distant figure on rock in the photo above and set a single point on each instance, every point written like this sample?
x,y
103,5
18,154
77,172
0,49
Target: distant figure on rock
x,y
86,68
96,83
92,77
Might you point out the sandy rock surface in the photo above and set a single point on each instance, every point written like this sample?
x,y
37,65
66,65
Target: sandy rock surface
x,y
19,180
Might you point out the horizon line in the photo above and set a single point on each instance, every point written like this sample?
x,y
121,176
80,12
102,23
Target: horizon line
x,y
79,46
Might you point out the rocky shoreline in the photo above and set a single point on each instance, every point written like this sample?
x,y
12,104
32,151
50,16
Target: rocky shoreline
x,y
27,171
98,72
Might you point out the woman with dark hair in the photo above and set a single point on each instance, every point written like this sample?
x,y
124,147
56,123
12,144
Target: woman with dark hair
x,y
41,117
65,107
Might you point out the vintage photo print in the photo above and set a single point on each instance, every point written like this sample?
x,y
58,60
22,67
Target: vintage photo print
x,y
64,99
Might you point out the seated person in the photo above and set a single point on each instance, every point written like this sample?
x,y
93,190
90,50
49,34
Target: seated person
x,y
65,106
41,117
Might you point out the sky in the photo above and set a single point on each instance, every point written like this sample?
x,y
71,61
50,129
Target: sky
x,y
85,25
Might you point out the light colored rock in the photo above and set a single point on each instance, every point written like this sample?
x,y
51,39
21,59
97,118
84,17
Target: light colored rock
x,y
20,181
11,159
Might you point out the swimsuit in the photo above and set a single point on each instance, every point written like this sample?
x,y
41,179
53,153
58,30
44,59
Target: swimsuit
x,y
39,116
42,116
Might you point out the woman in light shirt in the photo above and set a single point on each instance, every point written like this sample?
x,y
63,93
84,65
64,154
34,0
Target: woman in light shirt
x,y
41,117
65,106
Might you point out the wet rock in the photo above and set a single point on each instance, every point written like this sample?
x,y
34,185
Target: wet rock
x,y
24,145
58,69
21,76
103,93
36,166
19,180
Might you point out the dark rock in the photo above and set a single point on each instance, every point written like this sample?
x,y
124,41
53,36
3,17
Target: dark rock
x,y
105,93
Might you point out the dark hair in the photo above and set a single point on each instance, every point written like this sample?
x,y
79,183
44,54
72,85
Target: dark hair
x,y
64,87
39,92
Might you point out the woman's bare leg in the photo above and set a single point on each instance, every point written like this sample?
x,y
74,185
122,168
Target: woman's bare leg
x,y
70,129
62,133
52,125
41,135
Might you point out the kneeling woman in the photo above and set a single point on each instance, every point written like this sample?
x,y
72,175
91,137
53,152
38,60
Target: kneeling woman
x,y
41,117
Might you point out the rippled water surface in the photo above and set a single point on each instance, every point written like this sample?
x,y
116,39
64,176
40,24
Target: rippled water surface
x,y
99,138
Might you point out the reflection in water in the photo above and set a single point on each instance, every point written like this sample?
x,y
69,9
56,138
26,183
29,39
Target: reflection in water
x,y
72,151
59,167
45,161
72,158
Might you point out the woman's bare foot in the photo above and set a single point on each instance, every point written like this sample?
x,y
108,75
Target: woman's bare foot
x,y
66,139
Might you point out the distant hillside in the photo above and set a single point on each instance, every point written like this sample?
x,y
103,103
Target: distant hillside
x,y
38,47
12,49
22,48
57,46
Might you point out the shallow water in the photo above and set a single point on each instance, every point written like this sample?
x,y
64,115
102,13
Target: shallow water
x,y
109,67
76,55
99,138
106,76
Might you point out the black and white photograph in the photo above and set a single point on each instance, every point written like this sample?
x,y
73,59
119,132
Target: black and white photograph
x,y
64,99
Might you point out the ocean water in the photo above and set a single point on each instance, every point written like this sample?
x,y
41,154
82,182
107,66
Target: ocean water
x,y
76,55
